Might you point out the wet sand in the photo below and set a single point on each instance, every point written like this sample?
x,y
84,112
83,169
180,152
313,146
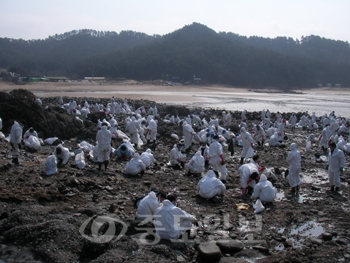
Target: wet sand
x,y
318,100
132,90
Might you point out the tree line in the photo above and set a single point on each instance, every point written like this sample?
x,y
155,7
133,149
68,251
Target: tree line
x,y
194,50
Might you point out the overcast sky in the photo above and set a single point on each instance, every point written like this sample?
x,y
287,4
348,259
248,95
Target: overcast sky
x,y
38,19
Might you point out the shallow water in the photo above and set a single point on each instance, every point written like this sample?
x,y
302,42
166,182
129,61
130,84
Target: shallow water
x,y
320,103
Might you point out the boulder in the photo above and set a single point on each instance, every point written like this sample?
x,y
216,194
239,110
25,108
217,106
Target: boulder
x,y
209,252
230,246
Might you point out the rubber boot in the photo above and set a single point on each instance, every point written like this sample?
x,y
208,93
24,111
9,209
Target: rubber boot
x,y
15,160
241,162
293,190
99,166
106,164
332,188
259,143
337,189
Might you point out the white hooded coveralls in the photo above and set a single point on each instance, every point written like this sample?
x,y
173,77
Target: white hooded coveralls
x,y
187,132
175,154
147,207
294,160
215,151
147,158
245,171
264,190
210,186
133,128
15,138
170,221
135,165
247,141
152,130
325,135
336,159
104,138
196,164
64,154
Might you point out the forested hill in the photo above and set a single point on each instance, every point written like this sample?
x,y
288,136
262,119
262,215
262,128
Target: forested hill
x,y
194,50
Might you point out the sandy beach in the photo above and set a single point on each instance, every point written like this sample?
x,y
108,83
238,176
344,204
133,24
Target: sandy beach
x,y
318,100
130,89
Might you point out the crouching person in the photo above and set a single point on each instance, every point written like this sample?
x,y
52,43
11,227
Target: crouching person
x,y
135,166
210,186
62,154
195,165
123,152
264,190
249,174
171,221
176,159
148,205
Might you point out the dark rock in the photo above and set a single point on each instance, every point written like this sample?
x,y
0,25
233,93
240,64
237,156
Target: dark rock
x,y
233,260
342,241
327,236
230,246
261,248
249,253
209,252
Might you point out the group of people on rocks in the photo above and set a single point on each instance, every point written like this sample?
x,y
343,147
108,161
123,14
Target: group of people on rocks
x,y
208,161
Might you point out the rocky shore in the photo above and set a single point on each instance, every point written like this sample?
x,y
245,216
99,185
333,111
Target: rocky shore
x,y
50,218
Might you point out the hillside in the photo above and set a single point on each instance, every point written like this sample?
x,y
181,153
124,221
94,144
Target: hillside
x,y
194,50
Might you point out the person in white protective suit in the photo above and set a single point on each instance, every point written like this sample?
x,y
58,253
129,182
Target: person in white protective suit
x,y
226,119
30,132
273,140
204,150
263,114
324,138
72,106
280,130
243,117
195,165
278,117
31,140
15,140
125,151
217,159
188,132
264,190
177,159
104,139
60,101
293,121
336,164
260,135
249,173
210,186
147,158
247,143
62,154
133,128
302,122
148,205
135,166
196,122
343,129
171,221
152,131
294,160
